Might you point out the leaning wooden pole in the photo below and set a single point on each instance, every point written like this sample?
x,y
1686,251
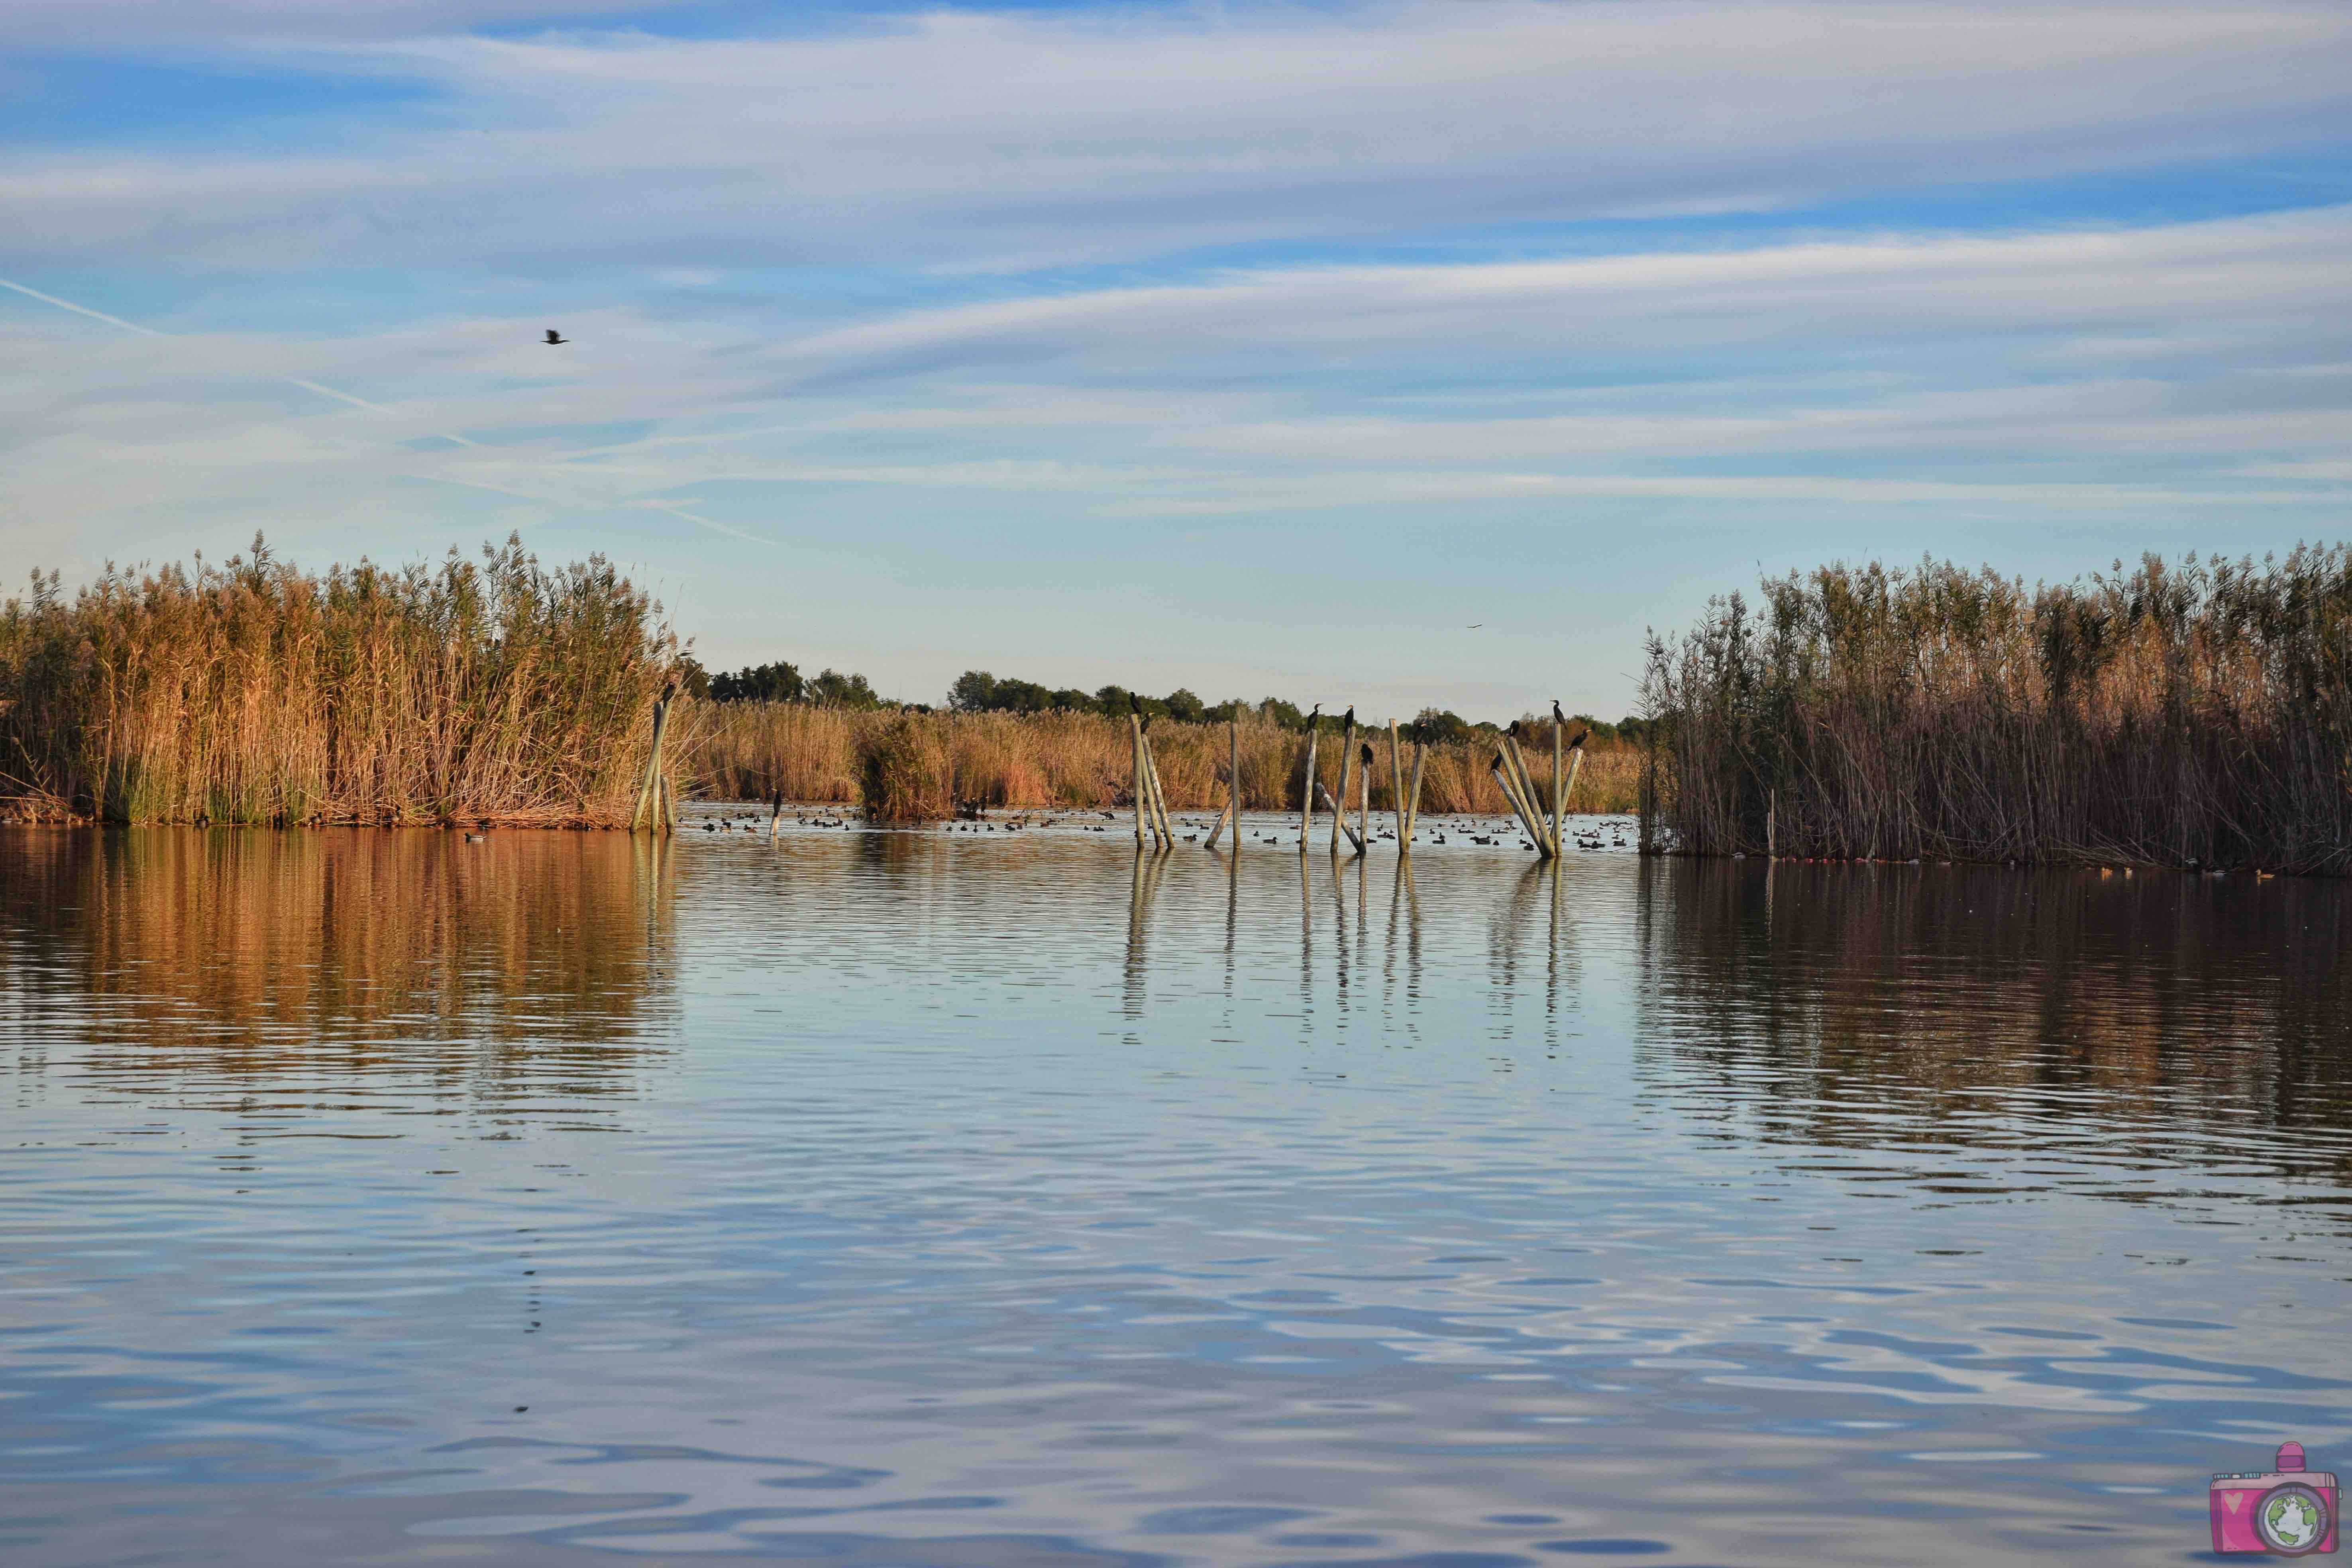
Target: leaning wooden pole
x,y
1530,807
648,798
1160,823
1364,797
1142,789
776,816
1523,806
1338,819
1307,795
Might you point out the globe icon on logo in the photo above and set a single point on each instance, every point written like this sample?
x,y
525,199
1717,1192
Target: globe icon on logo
x,y
2291,1519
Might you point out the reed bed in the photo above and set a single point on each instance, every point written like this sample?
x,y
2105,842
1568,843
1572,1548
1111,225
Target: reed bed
x,y
2197,715
928,766
500,691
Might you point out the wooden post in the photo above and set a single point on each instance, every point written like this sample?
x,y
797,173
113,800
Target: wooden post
x,y
668,805
1338,820
1559,787
1575,766
1142,788
647,800
1347,760
1525,809
1364,799
1412,796
1396,784
776,816
1160,823
1528,795
1772,826
1307,795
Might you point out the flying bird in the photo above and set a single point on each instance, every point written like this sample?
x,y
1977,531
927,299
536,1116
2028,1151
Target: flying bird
x,y
554,337
1474,626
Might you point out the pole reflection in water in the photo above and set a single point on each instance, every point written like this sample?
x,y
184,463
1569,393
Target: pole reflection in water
x,y
896,1197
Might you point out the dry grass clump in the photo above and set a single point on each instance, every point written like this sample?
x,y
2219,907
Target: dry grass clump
x,y
749,751
253,692
2190,715
901,773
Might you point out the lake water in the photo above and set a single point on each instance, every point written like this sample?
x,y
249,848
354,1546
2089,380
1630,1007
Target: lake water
x,y
1000,1199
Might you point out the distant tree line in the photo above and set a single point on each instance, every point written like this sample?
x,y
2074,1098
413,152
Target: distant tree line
x,y
978,692
781,682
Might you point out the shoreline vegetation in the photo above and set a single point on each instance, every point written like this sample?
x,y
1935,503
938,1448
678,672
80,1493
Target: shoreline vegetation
x,y
909,766
2196,716
252,693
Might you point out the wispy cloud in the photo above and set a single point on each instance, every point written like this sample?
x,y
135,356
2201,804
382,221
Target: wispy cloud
x,y
965,139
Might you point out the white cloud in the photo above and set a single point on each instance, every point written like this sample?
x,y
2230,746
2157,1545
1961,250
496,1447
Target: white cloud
x,y
964,140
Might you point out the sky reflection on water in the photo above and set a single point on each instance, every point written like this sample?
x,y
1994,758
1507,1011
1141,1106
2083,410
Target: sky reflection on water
x,y
920,1198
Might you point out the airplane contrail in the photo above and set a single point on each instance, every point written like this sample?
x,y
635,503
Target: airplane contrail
x,y
358,402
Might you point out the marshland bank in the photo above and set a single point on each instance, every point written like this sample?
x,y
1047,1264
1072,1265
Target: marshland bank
x,y
2194,714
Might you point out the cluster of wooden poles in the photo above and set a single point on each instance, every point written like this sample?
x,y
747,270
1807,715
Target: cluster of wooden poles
x,y
1510,772
657,806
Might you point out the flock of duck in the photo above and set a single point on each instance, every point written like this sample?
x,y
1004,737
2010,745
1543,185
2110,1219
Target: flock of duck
x,y
1606,833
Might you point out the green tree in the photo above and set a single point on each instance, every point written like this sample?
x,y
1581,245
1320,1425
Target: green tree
x,y
832,688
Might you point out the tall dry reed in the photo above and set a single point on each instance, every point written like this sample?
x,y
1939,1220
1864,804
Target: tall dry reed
x,y
253,692
749,751
2191,715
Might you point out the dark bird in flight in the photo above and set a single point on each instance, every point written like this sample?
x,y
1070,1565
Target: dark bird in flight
x,y
554,337
1474,626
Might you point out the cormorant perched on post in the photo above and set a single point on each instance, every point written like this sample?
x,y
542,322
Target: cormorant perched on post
x,y
1136,708
1368,759
1576,741
1557,717
1316,717
1349,719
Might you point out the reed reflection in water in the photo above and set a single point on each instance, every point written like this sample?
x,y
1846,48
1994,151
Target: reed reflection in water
x,y
243,961
919,1198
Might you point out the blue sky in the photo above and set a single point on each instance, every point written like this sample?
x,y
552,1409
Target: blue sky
x,y
1252,348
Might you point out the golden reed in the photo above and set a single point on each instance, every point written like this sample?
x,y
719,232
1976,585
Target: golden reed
x,y
252,693
923,767
2193,715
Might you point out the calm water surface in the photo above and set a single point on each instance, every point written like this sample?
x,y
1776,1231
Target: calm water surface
x,y
988,1199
